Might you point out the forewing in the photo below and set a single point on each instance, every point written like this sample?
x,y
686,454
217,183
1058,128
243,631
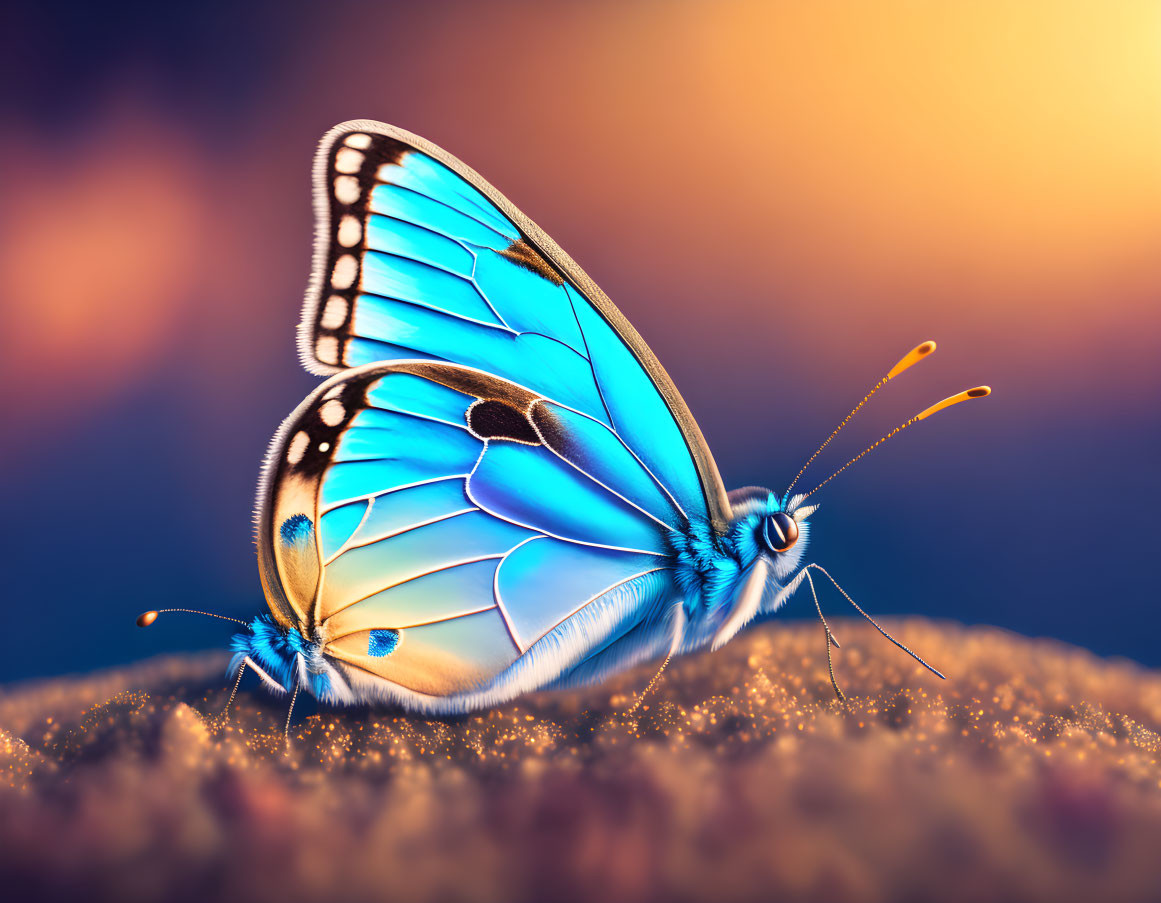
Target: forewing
x,y
417,257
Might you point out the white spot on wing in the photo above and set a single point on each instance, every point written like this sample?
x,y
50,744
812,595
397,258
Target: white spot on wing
x,y
343,275
359,140
332,412
324,447
347,189
297,447
326,349
334,314
348,160
350,231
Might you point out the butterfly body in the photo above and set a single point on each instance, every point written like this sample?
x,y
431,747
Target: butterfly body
x,y
498,489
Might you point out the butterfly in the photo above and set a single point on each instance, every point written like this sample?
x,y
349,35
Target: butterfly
x,y
498,488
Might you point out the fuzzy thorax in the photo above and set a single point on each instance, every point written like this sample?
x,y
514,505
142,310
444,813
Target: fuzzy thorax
x,y
708,566
288,659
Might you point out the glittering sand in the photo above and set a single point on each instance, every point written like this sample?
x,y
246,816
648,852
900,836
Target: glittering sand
x,y
1031,774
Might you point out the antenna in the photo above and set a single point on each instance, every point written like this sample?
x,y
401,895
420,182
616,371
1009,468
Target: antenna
x,y
966,395
148,617
910,359
674,643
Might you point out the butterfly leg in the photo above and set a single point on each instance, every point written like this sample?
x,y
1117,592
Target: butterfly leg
x,y
678,634
224,717
289,712
830,640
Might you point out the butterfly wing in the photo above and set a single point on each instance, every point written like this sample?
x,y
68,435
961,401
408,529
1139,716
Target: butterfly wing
x,y
429,523
499,459
417,257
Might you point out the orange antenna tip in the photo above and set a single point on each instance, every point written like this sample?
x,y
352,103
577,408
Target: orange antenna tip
x,y
966,395
146,618
911,358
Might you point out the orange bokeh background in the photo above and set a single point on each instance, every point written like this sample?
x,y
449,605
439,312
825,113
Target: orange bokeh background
x,y
999,161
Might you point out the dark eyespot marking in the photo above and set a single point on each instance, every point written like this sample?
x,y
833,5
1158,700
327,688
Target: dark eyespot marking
x,y
492,419
522,254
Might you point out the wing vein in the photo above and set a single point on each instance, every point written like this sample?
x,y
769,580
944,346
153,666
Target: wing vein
x,y
579,542
382,492
440,310
434,570
370,542
408,626
444,204
625,445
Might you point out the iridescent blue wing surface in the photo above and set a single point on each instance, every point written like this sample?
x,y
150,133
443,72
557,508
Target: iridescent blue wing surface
x,y
482,497
417,257
428,523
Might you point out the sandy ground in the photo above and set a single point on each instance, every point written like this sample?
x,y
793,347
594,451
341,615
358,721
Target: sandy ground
x,y
1030,774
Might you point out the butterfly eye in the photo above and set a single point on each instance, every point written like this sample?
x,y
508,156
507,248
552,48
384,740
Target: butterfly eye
x,y
780,532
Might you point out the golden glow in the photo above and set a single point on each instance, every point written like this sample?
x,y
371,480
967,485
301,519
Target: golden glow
x,y
1019,138
1005,140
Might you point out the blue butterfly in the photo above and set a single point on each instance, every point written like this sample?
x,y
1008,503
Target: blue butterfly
x,y
498,489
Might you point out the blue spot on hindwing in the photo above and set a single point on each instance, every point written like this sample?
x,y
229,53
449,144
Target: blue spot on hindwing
x,y
382,642
296,529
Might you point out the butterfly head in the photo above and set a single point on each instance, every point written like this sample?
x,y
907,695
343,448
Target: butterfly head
x,y
784,527
285,658
734,575
769,525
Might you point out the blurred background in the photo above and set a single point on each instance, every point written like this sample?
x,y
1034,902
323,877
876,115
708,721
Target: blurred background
x,y
782,197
